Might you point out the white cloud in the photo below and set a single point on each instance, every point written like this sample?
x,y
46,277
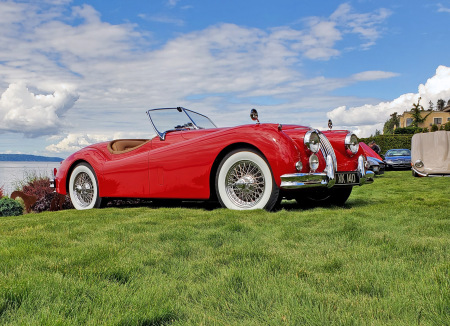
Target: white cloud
x,y
441,8
118,72
367,118
160,18
24,112
373,75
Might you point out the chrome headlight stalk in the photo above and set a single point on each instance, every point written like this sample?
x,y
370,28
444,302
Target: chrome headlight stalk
x,y
312,141
352,143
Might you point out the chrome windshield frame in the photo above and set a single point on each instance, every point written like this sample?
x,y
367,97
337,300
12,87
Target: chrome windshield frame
x,y
162,134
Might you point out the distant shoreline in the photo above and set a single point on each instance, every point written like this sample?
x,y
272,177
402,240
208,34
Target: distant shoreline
x,y
28,158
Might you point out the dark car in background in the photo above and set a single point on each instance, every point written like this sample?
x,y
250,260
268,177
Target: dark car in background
x,y
398,159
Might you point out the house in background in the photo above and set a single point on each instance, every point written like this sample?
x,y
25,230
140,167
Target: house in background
x,y
435,118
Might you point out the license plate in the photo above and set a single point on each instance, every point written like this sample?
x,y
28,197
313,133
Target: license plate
x,y
347,178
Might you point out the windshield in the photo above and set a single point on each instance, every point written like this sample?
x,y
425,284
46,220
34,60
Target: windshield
x,y
398,152
172,119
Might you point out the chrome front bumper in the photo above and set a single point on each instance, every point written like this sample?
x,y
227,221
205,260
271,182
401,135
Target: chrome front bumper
x,y
323,179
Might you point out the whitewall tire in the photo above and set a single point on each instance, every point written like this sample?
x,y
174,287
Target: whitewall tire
x,y
83,187
244,181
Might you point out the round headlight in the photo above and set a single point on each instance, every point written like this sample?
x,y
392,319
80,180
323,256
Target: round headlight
x,y
418,164
352,143
312,141
313,162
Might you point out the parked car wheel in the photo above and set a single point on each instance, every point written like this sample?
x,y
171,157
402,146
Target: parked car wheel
x,y
83,187
335,196
244,181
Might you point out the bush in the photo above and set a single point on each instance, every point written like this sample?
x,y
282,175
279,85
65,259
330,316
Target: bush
x,y
407,131
44,203
387,142
38,186
10,207
434,127
447,126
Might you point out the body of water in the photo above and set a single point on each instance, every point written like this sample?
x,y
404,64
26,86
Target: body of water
x,y
13,173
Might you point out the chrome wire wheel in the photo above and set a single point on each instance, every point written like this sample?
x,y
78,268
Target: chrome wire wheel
x,y
83,188
245,184
244,181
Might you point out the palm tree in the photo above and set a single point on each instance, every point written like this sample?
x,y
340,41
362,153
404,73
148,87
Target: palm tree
x,y
416,113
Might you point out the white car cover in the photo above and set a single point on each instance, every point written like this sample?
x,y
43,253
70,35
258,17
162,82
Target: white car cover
x,y
433,150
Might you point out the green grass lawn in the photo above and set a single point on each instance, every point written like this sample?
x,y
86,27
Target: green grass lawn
x,y
383,259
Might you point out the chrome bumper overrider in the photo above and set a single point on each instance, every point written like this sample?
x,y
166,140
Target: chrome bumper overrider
x,y
323,179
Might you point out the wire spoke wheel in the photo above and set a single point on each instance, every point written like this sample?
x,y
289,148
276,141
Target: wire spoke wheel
x,y
83,187
245,183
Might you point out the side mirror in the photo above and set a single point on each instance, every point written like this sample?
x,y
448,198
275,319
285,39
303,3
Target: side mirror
x,y
254,115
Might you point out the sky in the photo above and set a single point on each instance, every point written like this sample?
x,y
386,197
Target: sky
x,y
73,73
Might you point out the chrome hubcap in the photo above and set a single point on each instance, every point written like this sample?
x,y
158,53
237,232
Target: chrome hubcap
x,y
83,189
245,184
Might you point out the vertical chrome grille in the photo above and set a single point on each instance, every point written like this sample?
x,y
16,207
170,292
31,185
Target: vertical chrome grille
x,y
327,149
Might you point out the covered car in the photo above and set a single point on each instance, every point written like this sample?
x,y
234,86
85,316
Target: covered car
x,y
430,154
245,167
399,158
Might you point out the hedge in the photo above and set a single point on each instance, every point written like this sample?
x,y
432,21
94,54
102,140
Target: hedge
x,y
387,142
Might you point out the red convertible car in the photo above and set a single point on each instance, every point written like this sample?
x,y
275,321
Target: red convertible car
x,y
246,167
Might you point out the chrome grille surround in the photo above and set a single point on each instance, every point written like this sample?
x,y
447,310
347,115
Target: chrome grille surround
x,y
327,149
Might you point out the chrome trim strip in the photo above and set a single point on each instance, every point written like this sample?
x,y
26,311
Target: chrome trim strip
x,y
303,180
422,174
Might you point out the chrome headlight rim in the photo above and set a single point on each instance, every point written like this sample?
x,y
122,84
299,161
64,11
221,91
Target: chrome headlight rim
x,y
352,143
419,164
312,141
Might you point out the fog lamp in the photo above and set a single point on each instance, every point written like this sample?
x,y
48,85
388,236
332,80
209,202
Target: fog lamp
x,y
313,162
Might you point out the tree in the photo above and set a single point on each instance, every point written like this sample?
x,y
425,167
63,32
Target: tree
x,y
440,104
391,124
431,106
416,113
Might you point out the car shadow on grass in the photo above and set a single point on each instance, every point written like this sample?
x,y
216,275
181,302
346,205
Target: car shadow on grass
x,y
288,205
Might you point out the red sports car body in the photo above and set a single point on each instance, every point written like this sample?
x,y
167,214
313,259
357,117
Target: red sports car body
x,y
245,167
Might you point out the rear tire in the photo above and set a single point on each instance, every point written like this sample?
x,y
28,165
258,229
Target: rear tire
x,y
83,187
244,181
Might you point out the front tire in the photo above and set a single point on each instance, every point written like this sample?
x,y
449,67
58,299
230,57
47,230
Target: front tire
x,y
83,187
244,181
